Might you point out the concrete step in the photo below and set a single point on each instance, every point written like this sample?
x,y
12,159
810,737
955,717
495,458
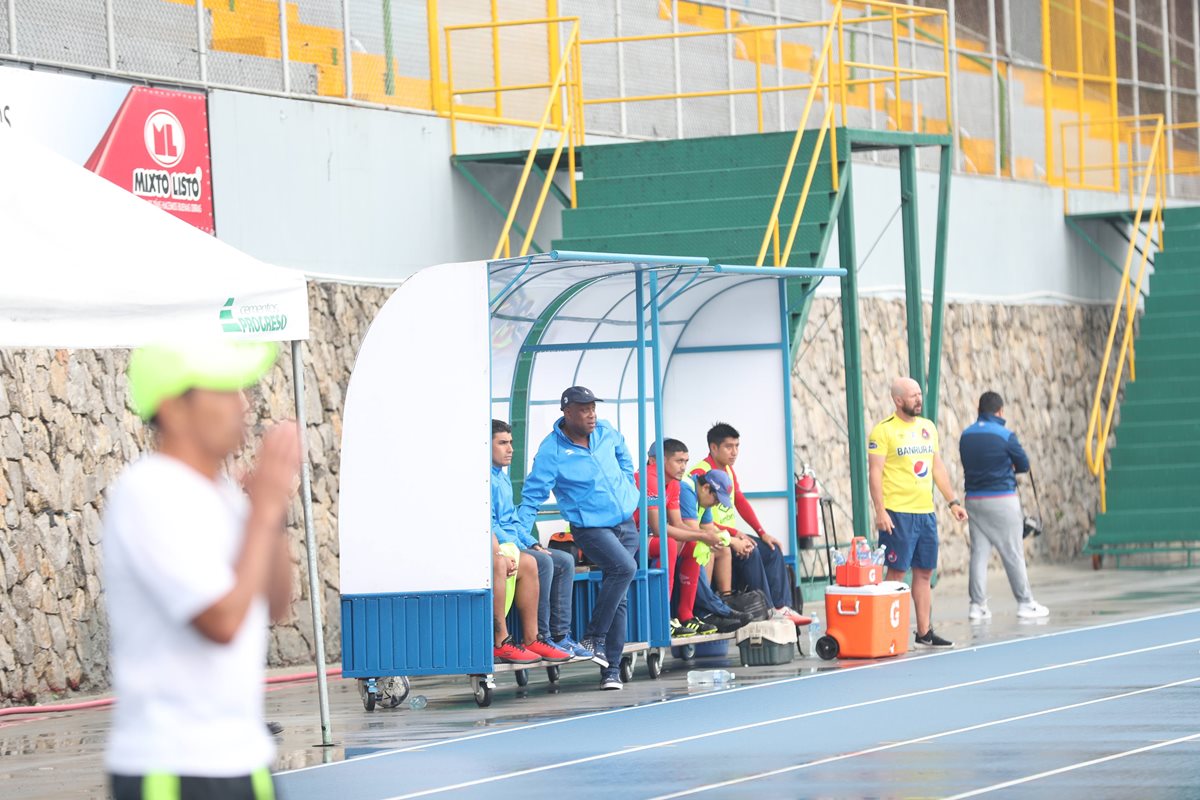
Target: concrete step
x,y
1180,456
690,214
692,243
1162,408
665,187
687,155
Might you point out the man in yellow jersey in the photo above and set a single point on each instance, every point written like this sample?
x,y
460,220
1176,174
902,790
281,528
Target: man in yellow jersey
x,y
905,466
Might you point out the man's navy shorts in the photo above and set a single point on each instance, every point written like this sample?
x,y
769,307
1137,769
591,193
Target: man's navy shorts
x,y
913,541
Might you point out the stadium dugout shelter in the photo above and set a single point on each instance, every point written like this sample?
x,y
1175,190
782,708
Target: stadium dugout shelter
x,y
89,265
668,344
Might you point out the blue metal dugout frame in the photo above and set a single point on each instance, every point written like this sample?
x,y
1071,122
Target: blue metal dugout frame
x,y
648,600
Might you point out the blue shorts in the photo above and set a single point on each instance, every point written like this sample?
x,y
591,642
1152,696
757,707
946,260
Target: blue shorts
x,y
913,541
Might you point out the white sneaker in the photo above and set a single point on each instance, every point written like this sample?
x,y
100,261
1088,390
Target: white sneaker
x,y
1033,610
979,613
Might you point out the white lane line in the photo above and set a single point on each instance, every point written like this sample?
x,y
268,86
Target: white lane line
x,y
920,740
710,695
1070,767
790,718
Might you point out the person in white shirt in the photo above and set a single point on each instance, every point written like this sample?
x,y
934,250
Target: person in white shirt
x,y
194,571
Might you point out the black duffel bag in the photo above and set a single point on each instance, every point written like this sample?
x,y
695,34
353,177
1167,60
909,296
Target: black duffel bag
x,y
751,601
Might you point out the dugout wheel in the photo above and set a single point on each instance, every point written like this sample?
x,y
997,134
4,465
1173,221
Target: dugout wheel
x,y
654,665
552,673
627,669
827,647
368,690
483,692
688,652
522,678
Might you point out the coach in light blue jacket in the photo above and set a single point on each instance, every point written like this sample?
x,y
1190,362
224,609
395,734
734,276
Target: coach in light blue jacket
x,y
588,467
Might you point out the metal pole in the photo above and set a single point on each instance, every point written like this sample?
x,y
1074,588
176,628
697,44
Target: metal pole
x,y
1008,92
939,287
201,41
389,52
856,429
952,20
729,69
657,383
1168,98
678,71
912,264
1133,74
996,156
621,72
640,311
912,63
283,47
788,433
348,56
310,543
779,66
108,29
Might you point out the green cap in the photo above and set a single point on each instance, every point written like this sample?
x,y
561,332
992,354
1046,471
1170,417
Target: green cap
x,y
162,371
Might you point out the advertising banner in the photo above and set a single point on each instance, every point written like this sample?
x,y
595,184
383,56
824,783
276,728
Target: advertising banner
x,y
151,142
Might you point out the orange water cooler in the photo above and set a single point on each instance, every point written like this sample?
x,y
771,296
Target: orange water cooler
x,y
866,621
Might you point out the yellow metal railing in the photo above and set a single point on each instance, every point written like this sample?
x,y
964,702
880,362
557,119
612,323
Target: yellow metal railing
x,y
834,88
563,112
842,80
1148,206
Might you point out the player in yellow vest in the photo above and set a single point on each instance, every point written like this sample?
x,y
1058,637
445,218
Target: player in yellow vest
x,y
905,466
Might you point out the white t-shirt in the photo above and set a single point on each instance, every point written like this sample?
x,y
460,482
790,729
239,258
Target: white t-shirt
x,y
185,705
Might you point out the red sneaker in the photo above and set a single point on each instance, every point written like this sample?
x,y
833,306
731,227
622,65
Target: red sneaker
x,y
548,652
790,615
509,652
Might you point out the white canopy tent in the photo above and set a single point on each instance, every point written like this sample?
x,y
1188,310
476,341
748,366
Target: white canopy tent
x,y
88,265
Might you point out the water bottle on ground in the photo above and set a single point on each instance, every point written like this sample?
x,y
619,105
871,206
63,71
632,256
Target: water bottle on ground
x,y
709,677
417,702
814,633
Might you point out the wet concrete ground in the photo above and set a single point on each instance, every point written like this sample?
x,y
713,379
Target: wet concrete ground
x,y
60,755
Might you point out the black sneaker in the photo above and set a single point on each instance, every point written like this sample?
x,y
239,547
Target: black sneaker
x,y
724,624
699,627
595,646
931,639
274,728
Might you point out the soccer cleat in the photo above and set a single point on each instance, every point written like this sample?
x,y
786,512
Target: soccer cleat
x,y
569,645
610,681
595,647
679,630
783,612
699,627
548,652
1032,610
979,613
931,639
509,652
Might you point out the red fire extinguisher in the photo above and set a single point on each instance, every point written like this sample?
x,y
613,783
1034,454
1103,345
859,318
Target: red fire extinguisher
x,y
807,499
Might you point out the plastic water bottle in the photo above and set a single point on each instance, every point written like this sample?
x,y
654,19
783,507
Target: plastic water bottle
x,y
838,558
417,702
814,633
878,556
864,552
709,677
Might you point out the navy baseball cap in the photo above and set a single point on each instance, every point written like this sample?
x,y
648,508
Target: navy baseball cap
x,y
578,394
718,480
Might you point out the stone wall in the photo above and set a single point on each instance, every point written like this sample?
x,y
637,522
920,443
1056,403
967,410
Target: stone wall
x,y
66,431
1044,361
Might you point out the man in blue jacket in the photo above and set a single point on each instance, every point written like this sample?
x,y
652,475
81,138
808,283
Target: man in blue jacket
x,y
991,457
587,465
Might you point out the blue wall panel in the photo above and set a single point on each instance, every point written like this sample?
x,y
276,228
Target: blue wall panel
x,y
436,633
